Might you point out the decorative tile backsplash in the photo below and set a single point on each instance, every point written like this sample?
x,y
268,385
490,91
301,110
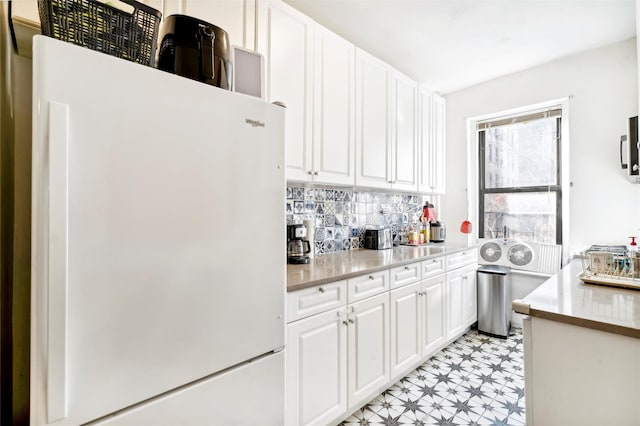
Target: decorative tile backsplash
x,y
341,215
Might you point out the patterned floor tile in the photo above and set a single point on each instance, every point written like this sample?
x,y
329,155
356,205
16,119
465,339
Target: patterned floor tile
x,y
476,380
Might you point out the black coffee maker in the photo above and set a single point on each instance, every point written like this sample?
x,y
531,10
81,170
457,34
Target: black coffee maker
x,y
297,245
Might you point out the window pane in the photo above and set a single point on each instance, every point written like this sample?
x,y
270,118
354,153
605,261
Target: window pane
x,y
529,216
521,154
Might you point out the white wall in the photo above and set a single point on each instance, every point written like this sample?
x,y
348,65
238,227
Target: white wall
x,y
603,85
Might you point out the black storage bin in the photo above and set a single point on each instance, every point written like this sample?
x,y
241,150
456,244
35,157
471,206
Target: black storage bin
x,y
131,35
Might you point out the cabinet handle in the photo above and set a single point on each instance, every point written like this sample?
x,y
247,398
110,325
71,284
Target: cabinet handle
x,y
315,173
321,290
310,172
465,278
345,323
371,277
420,293
406,268
434,261
351,321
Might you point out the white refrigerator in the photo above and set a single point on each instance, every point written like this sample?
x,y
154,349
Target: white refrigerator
x,y
158,247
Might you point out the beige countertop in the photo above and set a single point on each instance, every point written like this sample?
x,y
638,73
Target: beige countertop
x,y
565,298
345,264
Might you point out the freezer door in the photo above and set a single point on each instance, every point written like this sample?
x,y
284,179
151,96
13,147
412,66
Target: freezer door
x,y
158,232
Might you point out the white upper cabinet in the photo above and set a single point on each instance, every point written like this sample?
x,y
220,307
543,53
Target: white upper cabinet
x,y
236,17
310,69
386,126
373,128
432,143
405,112
287,45
333,119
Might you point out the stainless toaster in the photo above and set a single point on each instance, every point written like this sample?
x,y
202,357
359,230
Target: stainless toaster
x,y
378,239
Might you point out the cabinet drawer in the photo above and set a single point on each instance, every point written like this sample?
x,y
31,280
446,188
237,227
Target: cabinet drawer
x,y
432,267
367,285
313,300
462,258
406,274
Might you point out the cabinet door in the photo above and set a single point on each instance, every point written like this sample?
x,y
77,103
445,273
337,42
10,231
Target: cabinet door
x,y
316,369
288,51
469,295
425,169
455,324
433,314
226,14
333,139
373,127
405,328
431,143
405,94
368,363
437,145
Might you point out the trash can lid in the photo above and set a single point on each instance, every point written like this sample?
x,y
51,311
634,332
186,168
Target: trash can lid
x,y
494,269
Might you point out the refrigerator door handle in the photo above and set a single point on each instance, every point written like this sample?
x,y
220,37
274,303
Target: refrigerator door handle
x,y
58,258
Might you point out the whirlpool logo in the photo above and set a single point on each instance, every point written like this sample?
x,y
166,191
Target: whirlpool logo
x,y
254,123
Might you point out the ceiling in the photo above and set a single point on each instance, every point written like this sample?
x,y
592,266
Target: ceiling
x,y
452,44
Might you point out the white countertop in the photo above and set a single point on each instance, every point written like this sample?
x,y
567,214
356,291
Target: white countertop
x,y
565,298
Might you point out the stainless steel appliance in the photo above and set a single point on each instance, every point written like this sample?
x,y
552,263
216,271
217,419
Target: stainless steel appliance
x,y
437,231
297,246
195,49
494,300
378,239
632,165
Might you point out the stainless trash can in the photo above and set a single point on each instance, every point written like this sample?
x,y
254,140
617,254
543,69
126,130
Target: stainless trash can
x,y
494,300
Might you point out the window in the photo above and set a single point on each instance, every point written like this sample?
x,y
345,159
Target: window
x,y
520,177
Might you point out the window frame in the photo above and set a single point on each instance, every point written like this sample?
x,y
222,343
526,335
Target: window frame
x,y
557,188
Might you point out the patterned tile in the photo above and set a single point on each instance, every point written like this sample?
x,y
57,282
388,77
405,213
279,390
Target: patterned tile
x,y
353,209
476,380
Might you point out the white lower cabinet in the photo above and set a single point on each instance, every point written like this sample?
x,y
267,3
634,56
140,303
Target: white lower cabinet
x,y
405,328
417,323
316,368
368,348
338,360
461,296
453,296
433,314
469,295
